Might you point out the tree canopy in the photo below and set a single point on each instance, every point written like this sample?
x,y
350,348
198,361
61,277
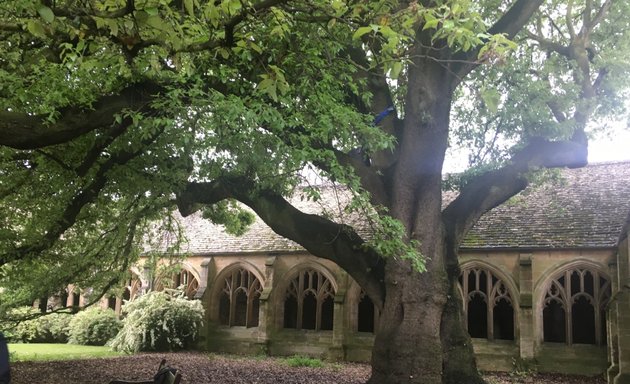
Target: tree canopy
x,y
113,113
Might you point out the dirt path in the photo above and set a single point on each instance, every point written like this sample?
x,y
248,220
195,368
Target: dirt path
x,y
200,368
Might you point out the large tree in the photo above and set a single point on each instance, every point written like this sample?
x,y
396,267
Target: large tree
x,y
114,112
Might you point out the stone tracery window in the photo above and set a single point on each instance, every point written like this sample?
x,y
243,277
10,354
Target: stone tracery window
x,y
184,279
488,305
309,302
574,307
188,281
133,289
239,300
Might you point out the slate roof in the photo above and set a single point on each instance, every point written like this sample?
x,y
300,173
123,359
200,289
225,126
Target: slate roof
x,y
581,208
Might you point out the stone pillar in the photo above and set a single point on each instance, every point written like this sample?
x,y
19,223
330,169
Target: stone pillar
x,y
611,328
526,313
203,278
265,310
336,351
622,302
207,275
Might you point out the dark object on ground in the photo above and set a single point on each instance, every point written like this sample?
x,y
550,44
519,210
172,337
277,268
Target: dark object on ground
x,y
5,371
164,375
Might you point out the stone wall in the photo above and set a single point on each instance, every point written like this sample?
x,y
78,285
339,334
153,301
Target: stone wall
x,y
246,310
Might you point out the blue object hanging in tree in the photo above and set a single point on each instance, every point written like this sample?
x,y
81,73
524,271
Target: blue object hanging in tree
x,y
383,114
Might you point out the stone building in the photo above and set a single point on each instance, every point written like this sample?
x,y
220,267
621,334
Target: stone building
x,y
545,277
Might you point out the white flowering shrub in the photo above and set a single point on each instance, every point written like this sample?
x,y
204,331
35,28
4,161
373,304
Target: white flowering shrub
x,y
93,326
28,325
158,321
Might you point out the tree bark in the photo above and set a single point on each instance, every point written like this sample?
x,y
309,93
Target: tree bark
x,y
420,329
407,344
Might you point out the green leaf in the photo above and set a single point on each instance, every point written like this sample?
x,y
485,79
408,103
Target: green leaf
x,y
36,28
433,23
190,7
225,54
491,98
46,14
395,70
360,32
268,86
152,11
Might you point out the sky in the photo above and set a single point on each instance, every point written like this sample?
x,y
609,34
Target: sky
x,y
615,146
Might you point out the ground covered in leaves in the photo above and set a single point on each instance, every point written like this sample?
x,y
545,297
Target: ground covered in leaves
x,y
201,368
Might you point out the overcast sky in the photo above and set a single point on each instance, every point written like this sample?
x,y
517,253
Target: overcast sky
x,y
613,148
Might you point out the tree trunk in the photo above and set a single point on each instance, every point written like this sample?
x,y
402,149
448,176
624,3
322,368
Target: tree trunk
x,y
407,344
421,336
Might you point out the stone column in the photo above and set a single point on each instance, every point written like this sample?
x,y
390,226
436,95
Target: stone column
x,y
622,301
336,351
207,274
266,312
611,327
526,313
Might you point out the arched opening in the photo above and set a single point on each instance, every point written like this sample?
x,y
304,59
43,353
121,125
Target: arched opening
x,y
554,323
309,302
290,312
240,308
309,311
477,317
574,307
488,304
126,294
183,280
503,320
328,308
186,281
239,299
224,310
583,321
366,314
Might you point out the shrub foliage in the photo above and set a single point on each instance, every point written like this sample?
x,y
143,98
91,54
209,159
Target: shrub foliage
x,y
158,321
27,325
94,326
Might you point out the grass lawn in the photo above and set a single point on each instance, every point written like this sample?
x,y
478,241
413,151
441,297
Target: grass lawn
x,y
47,352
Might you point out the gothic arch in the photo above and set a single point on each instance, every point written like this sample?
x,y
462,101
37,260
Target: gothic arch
x,y
571,303
305,298
235,296
186,276
490,300
361,313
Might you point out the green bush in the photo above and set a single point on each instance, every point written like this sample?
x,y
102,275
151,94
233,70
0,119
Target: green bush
x,y
159,322
93,326
50,328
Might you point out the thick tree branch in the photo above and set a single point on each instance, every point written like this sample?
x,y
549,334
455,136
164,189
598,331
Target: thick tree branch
x,y
24,131
321,237
516,17
492,188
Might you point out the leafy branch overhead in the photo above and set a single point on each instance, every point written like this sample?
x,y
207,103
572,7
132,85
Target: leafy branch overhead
x,y
115,113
